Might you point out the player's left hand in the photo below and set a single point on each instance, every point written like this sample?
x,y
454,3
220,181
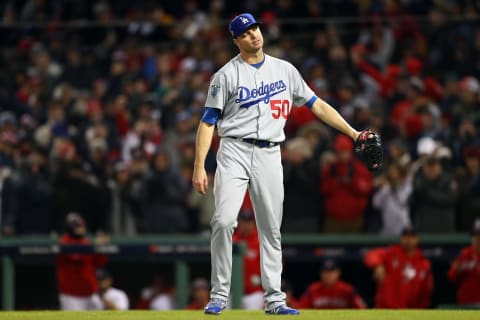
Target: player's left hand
x,y
369,147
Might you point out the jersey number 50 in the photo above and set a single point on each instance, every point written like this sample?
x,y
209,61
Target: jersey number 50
x,y
280,108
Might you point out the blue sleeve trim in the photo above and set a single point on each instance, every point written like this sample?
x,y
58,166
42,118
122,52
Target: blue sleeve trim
x,y
310,102
210,115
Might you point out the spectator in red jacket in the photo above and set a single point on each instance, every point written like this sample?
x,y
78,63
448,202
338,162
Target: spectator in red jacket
x,y
330,292
247,232
346,185
465,271
403,274
76,273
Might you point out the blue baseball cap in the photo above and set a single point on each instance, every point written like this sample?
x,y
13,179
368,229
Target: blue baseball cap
x,y
330,265
409,230
241,23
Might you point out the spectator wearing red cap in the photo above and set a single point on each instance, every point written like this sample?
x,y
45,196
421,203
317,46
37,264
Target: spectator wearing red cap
x,y
247,232
465,270
76,273
433,89
330,292
346,185
402,273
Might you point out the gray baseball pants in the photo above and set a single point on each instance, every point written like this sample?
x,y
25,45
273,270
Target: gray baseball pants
x,y
241,165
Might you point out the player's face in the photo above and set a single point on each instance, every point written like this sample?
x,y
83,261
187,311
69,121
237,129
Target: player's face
x,y
200,294
409,242
161,162
104,284
80,230
432,168
251,41
246,227
329,277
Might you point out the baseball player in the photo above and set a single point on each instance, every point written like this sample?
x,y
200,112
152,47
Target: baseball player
x,y
403,274
247,232
76,278
249,100
112,298
330,292
465,271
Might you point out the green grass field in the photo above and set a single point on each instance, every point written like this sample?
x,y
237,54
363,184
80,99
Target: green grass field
x,y
247,315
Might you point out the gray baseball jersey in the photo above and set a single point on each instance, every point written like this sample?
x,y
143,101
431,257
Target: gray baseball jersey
x,y
254,103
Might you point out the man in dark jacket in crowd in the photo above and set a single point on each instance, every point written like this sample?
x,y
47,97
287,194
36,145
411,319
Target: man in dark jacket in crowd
x,y
27,198
161,198
433,198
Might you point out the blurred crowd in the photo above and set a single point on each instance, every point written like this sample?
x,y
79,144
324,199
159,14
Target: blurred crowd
x,y
100,101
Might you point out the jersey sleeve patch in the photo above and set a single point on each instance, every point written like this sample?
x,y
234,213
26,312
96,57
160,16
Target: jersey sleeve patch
x,y
214,89
218,92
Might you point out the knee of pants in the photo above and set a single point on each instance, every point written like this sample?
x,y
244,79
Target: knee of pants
x,y
223,223
273,237
272,232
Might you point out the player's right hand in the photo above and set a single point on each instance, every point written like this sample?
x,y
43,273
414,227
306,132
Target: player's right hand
x,y
200,179
379,273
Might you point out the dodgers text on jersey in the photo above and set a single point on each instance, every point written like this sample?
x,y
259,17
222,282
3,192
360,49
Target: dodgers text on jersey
x,y
248,97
